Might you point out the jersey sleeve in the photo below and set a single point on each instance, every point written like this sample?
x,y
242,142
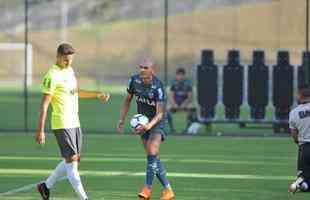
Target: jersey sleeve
x,y
189,87
292,123
130,88
160,95
49,83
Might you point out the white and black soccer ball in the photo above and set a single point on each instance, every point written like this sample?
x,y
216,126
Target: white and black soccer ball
x,y
137,120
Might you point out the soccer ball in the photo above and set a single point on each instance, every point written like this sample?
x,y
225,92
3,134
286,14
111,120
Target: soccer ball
x,y
137,120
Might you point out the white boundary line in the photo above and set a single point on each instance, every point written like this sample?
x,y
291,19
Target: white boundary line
x,y
121,159
44,172
21,189
126,173
24,188
166,156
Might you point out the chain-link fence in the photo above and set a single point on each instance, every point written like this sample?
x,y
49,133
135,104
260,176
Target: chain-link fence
x,y
112,36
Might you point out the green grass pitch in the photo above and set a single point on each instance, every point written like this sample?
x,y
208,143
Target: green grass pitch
x,y
113,166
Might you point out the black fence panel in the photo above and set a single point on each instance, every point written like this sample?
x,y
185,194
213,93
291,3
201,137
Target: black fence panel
x,y
207,84
233,85
258,76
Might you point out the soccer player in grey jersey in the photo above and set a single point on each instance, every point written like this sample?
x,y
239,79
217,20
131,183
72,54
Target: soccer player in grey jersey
x,y
150,98
299,122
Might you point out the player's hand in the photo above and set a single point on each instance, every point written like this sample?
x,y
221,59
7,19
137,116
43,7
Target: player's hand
x,y
141,129
174,105
120,126
174,108
40,137
104,97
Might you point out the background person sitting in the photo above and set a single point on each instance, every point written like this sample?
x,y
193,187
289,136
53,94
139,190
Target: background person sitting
x,y
180,99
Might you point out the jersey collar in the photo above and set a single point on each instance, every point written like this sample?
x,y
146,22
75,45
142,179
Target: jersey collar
x,y
55,66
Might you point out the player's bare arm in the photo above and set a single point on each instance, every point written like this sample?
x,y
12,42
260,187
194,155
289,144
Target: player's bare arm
x,y
40,135
294,133
160,110
102,96
124,111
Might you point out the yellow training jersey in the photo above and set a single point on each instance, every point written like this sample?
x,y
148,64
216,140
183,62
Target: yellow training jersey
x,y
61,84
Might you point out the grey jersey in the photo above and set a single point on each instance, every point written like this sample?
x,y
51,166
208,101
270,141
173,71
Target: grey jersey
x,y
300,119
147,96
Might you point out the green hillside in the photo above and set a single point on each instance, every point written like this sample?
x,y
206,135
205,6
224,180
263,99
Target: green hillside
x,y
113,49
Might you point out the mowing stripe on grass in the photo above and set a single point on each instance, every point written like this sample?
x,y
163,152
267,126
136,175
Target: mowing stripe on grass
x,y
21,189
263,158
196,156
128,173
24,188
176,160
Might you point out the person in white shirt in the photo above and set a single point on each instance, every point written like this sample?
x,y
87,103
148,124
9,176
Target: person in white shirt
x,y
299,122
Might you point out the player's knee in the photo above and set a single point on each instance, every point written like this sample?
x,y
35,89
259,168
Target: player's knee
x,y
152,149
73,158
153,152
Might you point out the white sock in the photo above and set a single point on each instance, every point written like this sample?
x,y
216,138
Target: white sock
x,y
75,180
299,180
58,172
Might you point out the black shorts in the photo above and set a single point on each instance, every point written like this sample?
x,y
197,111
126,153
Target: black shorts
x,y
69,141
156,130
303,165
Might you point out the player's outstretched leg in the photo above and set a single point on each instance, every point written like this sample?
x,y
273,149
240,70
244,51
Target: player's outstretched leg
x,y
146,192
167,194
161,174
155,167
59,172
299,185
75,180
44,191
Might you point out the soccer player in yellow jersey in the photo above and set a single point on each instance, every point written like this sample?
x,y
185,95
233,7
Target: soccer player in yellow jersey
x,y
60,88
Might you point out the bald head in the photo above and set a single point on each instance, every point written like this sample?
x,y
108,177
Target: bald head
x,y
146,71
147,63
